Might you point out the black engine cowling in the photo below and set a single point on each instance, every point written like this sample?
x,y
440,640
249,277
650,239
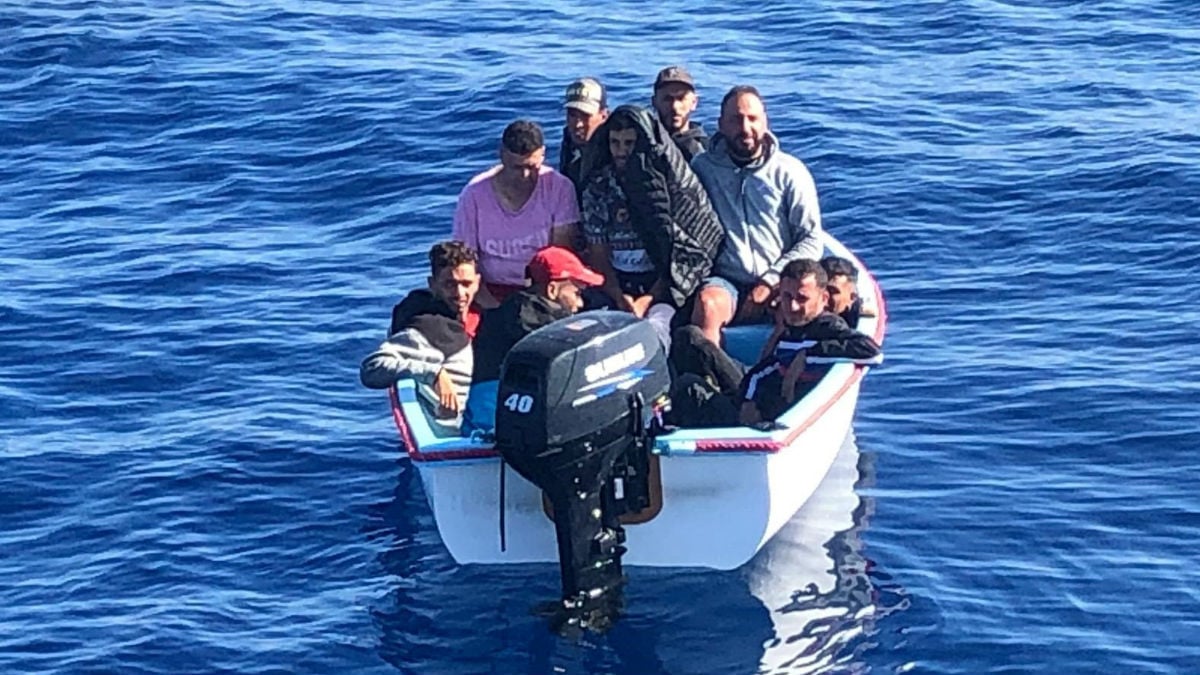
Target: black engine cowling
x,y
572,414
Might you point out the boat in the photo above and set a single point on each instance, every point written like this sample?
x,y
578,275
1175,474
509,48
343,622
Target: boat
x,y
710,498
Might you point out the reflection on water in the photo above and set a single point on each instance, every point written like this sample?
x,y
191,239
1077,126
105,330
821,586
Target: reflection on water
x,y
811,575
803,605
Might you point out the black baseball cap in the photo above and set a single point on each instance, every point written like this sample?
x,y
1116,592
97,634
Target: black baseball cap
x,y
674,74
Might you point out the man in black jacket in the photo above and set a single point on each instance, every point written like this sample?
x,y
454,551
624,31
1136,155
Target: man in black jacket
x,y
649,225
806,339
586,107
675,99
557,279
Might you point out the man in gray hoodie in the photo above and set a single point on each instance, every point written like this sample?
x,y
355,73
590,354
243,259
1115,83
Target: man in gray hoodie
x,y
428,340
767,203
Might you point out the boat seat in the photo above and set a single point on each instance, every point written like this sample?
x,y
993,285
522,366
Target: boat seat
x,y
745,342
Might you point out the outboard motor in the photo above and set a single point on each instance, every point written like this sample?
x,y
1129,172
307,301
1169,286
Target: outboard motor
x,y
574,407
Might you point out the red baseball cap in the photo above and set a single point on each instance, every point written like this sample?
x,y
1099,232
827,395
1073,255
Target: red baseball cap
x,y
555,263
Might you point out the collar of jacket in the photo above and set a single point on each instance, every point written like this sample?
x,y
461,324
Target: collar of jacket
x,y
534,311
718,151
418,302
433,318
693,130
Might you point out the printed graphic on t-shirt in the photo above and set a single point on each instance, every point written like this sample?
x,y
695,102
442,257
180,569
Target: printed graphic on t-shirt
x,y
606,220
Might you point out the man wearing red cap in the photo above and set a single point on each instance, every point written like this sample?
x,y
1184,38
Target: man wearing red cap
x,y
558,277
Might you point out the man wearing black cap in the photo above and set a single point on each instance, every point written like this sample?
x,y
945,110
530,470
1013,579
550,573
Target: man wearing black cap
x,y
586,106
675,99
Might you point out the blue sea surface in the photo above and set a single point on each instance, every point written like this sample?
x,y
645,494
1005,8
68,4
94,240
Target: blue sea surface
x,y
207,210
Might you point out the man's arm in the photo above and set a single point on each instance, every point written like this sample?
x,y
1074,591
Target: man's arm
x,y
566,230
830,337
566,235
802,213
405,354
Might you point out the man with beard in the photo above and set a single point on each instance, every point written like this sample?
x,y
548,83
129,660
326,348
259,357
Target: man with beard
x,y
674,100
767,204
843,290
557,278
511,210
586,107
428,340
710,390
649,226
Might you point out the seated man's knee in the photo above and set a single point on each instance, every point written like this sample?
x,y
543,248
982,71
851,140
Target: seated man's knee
x,y
687,335
713,304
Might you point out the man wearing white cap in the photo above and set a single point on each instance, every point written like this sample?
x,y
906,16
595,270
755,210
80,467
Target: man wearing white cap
x,y
586,105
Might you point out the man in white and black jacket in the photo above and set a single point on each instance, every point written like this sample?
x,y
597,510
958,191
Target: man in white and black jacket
x,y
429,341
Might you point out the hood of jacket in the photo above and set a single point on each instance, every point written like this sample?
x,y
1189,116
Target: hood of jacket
x,y
652,138
718,149
693,130
528,311
432,317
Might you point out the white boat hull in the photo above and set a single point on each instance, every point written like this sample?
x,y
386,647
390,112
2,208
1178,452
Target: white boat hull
x,y
718,508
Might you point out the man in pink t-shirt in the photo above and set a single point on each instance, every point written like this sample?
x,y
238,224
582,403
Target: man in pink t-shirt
x,y
510,211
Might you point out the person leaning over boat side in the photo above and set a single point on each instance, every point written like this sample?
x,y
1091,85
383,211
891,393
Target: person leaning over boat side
x,y
586,108
674,100
430,344
557,279
767,203
513,209
843,290
650,228
805,329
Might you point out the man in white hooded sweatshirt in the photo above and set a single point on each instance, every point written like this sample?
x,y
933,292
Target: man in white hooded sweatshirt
x,y
767,204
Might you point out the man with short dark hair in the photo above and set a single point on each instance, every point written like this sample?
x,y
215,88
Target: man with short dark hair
x,y
586,106
428,340
767,204
557,277
454,281
674,100
805,329
843,289
511,210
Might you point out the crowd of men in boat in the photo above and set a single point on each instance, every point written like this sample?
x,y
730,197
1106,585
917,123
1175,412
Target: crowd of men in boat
x,y
690,233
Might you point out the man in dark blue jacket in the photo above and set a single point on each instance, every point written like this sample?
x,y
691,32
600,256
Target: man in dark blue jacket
x,y
806,338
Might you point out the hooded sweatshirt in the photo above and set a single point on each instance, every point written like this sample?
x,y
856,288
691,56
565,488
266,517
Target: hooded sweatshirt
x,y
691,141
768,209
428,338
